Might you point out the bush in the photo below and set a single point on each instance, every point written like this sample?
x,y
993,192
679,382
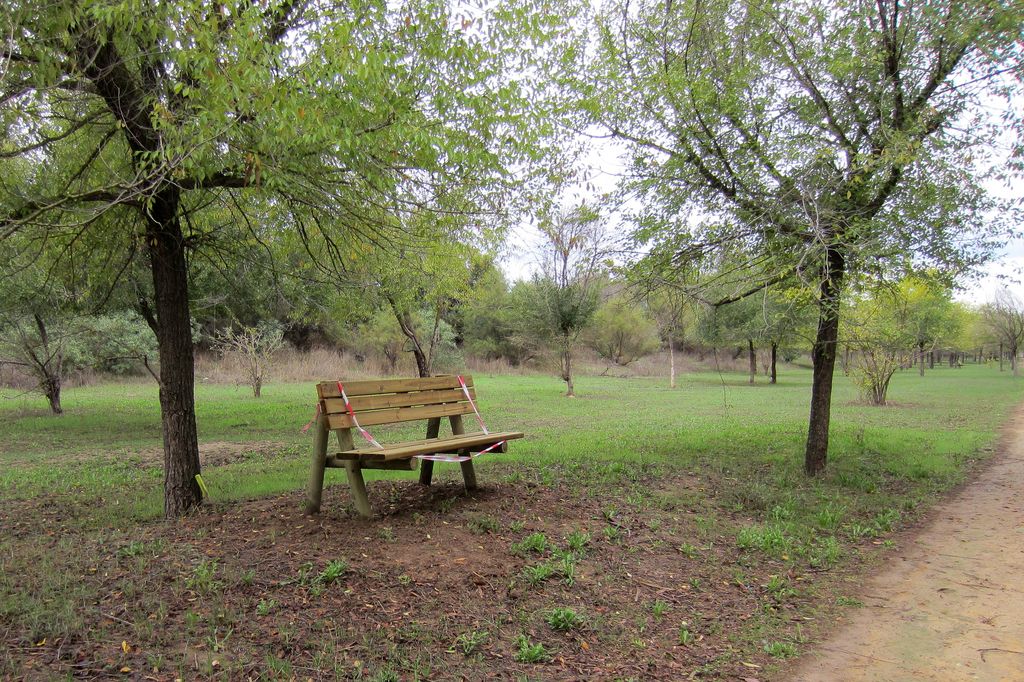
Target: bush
x,y
622,333
118,343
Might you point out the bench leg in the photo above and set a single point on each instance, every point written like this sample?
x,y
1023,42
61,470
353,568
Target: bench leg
x,y
458,428
427,466
315,489
468,473
358,487
426,471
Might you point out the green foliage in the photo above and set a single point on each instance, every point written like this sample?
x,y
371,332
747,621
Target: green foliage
x,y
491,320
622,331
530,653
577,541
780,649
118,343
334,570
483,524
469,642
799,143
563,619
538,573
534,542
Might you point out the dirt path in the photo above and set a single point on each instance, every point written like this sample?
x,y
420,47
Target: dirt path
x,y
951,607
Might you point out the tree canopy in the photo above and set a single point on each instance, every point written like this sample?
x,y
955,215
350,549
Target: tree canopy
x,y
826,139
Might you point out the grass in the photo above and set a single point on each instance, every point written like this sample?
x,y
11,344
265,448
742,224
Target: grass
x,y
711,422
740,447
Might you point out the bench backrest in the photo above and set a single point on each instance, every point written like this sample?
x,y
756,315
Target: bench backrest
x,y
388,401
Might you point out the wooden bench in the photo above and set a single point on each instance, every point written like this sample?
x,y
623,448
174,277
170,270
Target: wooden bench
x,y
391,401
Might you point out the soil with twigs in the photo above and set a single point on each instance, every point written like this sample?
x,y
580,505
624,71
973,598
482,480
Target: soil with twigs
x,y
563,581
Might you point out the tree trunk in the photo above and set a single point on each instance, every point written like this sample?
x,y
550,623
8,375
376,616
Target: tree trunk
x,y
51,389
774,355
1000,356
752,356
931,359
174,341
671,365
824,357
50,379
920,350
422,364
408,327
570,391
1013,359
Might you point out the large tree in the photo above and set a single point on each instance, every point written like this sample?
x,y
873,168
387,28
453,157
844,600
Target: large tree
x,y
828,138
134,120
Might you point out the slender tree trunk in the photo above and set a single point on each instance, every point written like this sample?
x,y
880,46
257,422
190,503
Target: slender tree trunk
x,y
1013,359
824,357
775,354
405,322
931,359
1000,356
422,364
177,363
570,391
671,365
752,357
920,350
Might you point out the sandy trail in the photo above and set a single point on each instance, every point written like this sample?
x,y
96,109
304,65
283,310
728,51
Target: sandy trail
x,y
950,607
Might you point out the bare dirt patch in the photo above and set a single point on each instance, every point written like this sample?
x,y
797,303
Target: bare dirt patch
x,y
218,453
431,589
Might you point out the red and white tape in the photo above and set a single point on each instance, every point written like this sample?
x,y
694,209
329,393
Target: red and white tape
x,y
465,389
352,414
483,427
458,458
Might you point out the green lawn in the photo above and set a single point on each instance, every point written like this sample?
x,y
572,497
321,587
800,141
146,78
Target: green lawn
x,y
697,493
712,423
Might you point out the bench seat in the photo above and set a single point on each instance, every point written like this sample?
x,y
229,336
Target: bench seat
x,y
470,442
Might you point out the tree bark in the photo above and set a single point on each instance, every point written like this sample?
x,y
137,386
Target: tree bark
x,y
177,363
931,359
824,357
1000,356
567,372
51,389
752,357
671,365
408,327
920,350
50,378
774,357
